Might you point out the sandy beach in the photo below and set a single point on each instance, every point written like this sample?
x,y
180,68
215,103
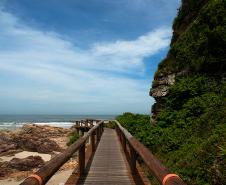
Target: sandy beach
x,y
24,154
58,179
24,151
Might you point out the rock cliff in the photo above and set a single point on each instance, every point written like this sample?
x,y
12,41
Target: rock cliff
x,y
197,47
189,87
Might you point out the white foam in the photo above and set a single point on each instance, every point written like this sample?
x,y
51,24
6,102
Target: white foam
x,y
58,124
16,125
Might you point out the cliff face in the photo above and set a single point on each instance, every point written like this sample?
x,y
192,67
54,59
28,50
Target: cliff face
x,y
198,46
189,87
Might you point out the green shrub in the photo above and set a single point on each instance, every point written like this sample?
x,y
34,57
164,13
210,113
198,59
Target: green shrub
x,y
190,133
72,138
202,47
111,125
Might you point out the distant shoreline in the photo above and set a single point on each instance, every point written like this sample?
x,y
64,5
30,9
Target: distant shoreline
x,y
12,122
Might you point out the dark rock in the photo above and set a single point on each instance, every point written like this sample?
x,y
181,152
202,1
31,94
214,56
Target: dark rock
x,y
43,131
6,142
31,137
37,144
5,169
27,163
10,152
6,147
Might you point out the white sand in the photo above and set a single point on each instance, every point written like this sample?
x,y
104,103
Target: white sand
x,y
21,155
9,182
58,179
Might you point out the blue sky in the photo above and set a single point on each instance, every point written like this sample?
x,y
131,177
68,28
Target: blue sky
x,y
81,57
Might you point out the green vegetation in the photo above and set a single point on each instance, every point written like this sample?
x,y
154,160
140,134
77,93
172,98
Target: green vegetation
x,y
193,143
189,133
202,47
72,138
111,124
183,11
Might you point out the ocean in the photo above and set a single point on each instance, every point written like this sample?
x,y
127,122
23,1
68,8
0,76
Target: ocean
x,y
66,121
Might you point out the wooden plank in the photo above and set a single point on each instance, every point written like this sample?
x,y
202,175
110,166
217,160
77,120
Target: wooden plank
x,y
108,165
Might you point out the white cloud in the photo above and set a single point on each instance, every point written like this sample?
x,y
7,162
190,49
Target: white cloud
x,y
55,70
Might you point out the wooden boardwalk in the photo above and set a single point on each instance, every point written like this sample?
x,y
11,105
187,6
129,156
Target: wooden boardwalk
x,y
105,161
109,164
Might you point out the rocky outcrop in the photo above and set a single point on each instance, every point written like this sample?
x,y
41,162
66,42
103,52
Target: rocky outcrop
x,y
169,70
7,144
161,85
36,144
31,137
27,163
187,13
44,131
6,147
16,165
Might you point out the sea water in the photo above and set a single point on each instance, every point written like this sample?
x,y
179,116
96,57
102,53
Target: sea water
x,y
66,121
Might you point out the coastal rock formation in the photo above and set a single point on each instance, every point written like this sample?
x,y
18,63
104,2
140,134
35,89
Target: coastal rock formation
x,y
36,144
16,165
5,169
32,137
44,131
197,47
6,147
161,85
27,163
189,87
7,144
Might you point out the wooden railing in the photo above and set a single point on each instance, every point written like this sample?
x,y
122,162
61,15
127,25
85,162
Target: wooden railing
x,y
131,146
51,167
85,123
160,172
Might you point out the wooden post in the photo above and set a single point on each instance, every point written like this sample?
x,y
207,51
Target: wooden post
x,y
99,130
124,143
81,125
98,134
117,130
120,136
79,132
102,128
81,159
133,157
93,141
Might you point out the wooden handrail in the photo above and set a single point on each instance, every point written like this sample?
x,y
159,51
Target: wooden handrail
x,y
52,166
160,172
